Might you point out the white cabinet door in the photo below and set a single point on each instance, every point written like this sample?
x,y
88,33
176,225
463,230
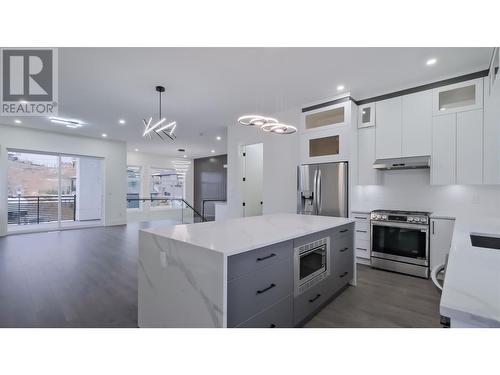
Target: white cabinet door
x,y
440,243
253,183
470,147
367,175
388,129
417,124
443,158
492,136
366,115
459,97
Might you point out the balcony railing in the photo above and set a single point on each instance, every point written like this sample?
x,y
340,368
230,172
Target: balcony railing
x,y
187,211
35,209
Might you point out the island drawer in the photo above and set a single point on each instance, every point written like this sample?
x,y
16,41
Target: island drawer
x,y
279,315
309,301
342,245
250,261
343,230
254,292
342,270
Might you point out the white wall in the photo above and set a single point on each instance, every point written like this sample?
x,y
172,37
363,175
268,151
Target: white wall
x,y
146,162
281,157
411,190
113,153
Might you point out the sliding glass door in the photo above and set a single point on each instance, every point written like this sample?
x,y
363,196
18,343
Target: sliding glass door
x,y
51,191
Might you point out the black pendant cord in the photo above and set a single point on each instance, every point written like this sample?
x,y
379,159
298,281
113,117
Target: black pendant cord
x,y
160,105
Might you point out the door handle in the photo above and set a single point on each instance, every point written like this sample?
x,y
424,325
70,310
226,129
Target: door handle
x,y
315,192
320,200
314,298
266,257
344,274
266,289
344,249
433,227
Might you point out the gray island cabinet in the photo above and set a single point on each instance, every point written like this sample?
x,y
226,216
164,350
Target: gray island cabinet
x,y
258,272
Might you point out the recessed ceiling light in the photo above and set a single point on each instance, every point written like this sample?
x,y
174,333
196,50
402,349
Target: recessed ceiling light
x,y
212,151
431,61
104,135
136,149
185,156
218,138
340,87
18,121
121,122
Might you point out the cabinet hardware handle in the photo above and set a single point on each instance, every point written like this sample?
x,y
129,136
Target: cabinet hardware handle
x,y
315,298
360,248
266,289
344,230
361,231
267,257
433,222
344,274
359,217
272,325
344,249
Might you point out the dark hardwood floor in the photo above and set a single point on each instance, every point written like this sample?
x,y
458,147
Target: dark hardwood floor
x,y
88,278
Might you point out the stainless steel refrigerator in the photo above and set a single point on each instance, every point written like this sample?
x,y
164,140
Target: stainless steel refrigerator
x,y
322,189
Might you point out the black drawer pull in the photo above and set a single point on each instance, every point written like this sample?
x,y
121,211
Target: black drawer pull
x,y
344,249
360,248
344,230
361,231
315,298
264,258
272,325
344,274
360,217
266,289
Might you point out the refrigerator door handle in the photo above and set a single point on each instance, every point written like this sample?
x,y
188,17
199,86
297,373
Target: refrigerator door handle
x,y
319,202
315,192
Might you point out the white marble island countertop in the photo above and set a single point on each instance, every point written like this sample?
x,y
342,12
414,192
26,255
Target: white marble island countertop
x,y
471,291
234,236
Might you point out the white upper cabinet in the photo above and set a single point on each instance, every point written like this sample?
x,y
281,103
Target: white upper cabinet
x,y
491,138
416,136
493,75
366,115
459,97
470,147
388,129
443,161
367,175
325,118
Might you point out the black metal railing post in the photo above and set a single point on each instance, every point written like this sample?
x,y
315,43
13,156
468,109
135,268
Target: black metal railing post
x,y
18,209
74,207
38,210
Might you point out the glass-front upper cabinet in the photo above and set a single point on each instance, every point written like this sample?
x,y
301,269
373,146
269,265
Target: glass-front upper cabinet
x,y
366,115
459,97
334,115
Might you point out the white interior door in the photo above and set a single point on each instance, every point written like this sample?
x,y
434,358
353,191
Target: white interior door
x,y
253,165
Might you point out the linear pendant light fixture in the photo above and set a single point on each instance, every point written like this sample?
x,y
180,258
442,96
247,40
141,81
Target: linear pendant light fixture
x,y
158,128
267,124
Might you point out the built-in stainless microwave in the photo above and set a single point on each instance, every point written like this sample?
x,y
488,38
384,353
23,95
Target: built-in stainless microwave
x,y
311,264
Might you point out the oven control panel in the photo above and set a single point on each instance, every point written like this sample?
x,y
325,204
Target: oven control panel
x,y
400,218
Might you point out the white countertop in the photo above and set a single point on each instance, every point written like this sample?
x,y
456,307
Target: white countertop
x,y
471,289
238,235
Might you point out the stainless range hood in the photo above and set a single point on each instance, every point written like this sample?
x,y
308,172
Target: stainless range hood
x,y
403,163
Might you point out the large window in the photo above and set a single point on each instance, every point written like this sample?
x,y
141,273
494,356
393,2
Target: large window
x,y
133,187
52,189
166,183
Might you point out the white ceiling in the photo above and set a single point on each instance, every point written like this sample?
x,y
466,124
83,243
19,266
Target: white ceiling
x,y
208,88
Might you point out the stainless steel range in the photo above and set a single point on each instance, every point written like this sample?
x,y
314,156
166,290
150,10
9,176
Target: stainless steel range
x,y
400,241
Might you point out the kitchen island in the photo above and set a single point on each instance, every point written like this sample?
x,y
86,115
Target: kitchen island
x,y
471,290
263,271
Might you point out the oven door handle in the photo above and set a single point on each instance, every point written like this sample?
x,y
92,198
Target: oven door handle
x,y
423,228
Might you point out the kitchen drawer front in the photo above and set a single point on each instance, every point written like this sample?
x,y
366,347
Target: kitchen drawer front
x,y
362,233
254,292
250,261
342,246
362,248
343,269
344,230
279,315
309,301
